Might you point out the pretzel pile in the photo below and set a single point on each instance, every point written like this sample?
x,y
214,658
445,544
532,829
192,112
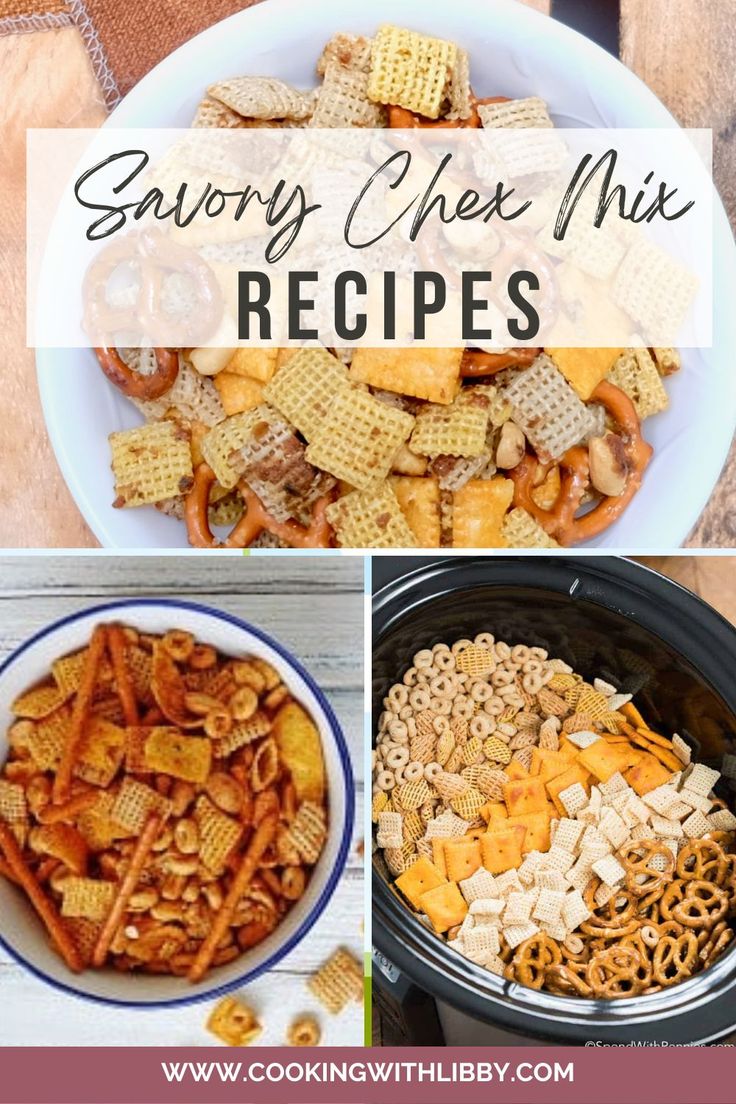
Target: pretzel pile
x,y
538,824
163,805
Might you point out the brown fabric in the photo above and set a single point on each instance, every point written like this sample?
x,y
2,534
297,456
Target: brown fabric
x,y
136,34
125,38
11,9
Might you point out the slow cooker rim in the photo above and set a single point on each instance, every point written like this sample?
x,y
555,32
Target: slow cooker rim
x,y
495,1007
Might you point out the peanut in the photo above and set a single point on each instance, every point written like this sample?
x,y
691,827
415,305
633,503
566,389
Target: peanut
x,y
511,446
186,836
608,464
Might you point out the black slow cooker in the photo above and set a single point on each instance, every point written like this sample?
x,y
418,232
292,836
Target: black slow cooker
x,y
607,617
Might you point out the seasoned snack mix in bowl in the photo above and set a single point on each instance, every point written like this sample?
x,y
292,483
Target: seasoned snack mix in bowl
x,y
175,805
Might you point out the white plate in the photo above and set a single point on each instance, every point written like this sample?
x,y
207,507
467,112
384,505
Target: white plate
x,y
514,51
21,931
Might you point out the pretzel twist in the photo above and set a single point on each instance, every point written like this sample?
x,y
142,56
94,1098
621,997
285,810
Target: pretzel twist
x,y
254,521
560,522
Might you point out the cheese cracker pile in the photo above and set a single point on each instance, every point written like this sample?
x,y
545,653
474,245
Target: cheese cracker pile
x,y
536,822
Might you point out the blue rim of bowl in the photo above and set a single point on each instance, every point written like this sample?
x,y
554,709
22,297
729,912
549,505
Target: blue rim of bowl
x,y
347,831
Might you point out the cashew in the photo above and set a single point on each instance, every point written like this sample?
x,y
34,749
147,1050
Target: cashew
x,y
608,466
511,446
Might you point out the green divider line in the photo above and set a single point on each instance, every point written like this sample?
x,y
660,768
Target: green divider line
x,y
367,1000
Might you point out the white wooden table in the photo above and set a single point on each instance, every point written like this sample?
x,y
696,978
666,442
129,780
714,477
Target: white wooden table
x,y
316,610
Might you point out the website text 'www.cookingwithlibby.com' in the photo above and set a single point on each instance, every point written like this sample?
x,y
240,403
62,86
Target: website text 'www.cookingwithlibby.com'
x,y
367,1072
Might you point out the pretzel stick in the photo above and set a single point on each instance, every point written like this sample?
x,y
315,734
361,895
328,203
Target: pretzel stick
x,y
82,704
149,835
6,872
54,814
126,690
262,839
43,906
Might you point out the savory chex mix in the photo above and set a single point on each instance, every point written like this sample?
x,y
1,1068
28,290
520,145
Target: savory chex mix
x,y
162,805
537,823
391,448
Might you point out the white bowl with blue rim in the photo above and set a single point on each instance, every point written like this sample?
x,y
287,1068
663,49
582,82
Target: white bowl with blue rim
x,y
21,932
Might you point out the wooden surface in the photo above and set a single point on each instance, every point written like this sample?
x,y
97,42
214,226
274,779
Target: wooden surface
x,y
684,49
315,610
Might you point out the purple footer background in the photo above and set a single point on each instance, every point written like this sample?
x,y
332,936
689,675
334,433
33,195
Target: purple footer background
x,y
432,1075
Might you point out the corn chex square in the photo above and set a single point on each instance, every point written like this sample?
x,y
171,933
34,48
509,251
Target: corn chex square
x,y
338,981
701,780
696,825
151,463
87,897
682,750
615,784
262,98
479,885
666,827
549,906
135,802
455,430
410,69
635,373
370,519
583,739
308,831
573,798
358,438
487,910
722,820
518,908
550,879
521,530
390,830
13,809
574,910
547,409
304,389
609,870
531,864
516,934
481,943
567,834
654,289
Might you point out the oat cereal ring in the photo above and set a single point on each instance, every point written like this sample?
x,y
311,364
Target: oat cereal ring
x,y
405,714
398,731
386,780
441,706
481,726
485,640
481,692
501,677
441,647
410,677
501,651
444,661
460,646
398,696
442,686
539,653
397,757
520,653
463,707
413,771
494,707
431,770
532,683
419,699
650,935
440,725
304,1032
423,659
